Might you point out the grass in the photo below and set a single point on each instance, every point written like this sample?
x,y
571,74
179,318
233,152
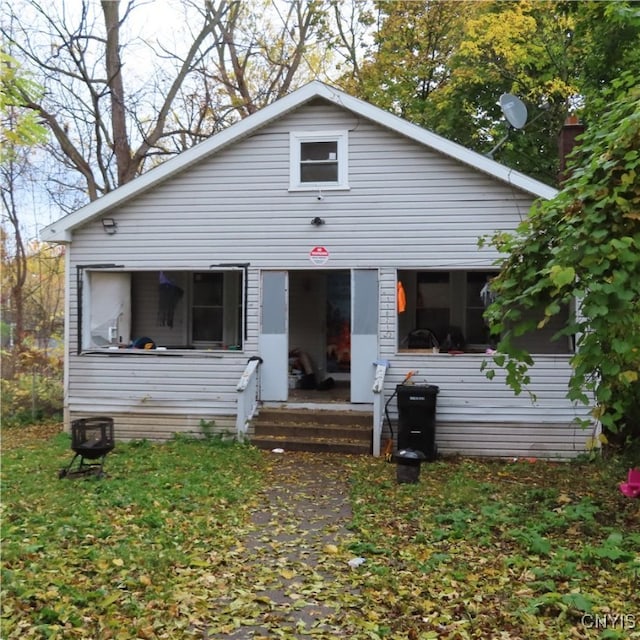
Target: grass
x,y
490,549
475,549
94,558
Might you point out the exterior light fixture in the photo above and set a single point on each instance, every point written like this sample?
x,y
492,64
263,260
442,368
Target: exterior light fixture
x,y
109,225
317,221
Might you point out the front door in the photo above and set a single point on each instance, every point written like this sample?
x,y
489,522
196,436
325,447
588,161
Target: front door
x,y
364,333
273,342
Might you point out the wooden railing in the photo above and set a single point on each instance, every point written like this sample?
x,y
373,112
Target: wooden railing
x,y
378,403
247,389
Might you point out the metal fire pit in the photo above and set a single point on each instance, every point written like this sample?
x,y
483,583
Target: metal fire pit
x,y
91,440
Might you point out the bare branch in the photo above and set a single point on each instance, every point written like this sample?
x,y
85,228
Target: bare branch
x,y
69,149
214,19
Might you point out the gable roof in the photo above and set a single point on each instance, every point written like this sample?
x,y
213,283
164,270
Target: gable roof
x,y
60,231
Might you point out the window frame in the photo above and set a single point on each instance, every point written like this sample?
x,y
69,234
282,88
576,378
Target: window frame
x,y
459,308
231,308
297,138
234,310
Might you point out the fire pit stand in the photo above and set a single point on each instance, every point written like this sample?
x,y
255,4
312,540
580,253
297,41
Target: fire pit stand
x,y
91,439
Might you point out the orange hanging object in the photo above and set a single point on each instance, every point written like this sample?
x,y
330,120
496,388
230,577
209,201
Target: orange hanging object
x,y
402,298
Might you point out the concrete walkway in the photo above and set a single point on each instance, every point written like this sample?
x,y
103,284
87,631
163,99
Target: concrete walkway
x,y
294,558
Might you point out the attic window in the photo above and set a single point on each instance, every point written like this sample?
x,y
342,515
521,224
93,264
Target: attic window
x,y
318,161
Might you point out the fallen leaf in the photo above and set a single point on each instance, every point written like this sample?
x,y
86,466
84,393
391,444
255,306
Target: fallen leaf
x,y
287,574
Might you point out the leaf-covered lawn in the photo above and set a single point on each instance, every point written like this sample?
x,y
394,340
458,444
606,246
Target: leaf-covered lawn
x,y
117,557
482,549
160,547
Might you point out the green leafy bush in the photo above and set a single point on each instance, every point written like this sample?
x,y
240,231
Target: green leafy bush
x,y
584,245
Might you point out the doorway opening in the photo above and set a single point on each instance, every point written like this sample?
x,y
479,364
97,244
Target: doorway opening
x,y
320,332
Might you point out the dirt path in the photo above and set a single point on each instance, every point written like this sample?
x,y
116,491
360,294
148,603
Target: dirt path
x,y
294,567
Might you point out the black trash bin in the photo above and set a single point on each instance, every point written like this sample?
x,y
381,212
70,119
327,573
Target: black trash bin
x,y
408,466
417,418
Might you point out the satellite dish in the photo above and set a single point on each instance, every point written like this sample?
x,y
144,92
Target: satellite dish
x,y
514,110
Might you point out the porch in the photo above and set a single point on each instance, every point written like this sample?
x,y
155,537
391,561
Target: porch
x,y
321,420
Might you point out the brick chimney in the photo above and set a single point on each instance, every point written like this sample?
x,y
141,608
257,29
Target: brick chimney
x,y
571,129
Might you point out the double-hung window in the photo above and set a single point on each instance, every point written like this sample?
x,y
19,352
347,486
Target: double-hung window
x,y
318,160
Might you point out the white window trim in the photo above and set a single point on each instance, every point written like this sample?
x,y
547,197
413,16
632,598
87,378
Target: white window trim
x,y
85,313
296,138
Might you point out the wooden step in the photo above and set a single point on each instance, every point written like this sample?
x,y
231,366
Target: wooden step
x,y
318,445
313,430
315,416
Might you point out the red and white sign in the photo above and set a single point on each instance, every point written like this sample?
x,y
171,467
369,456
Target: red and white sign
x,y
319,255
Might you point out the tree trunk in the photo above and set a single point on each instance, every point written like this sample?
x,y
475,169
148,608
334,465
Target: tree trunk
x,y
122,150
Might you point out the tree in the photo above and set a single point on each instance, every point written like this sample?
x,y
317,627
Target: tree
x,y
584,245
548,53
352,23
103,130
19,127
32,355
44,293
444,65
31,276
409,58
19,130
117,103
41,294
264,52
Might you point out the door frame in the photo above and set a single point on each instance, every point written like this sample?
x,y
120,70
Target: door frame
x,y
365,323
274,330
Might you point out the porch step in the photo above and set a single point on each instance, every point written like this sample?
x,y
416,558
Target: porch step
x,y
320,430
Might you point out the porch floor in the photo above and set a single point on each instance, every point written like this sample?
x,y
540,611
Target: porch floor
x,y
341,393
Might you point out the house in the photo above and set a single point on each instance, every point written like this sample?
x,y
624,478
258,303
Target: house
x,y
304,226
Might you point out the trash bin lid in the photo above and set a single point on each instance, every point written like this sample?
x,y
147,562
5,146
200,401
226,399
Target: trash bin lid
x,y
418,389
411,454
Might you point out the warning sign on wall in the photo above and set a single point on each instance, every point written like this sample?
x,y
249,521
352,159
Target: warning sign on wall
x,y
319,255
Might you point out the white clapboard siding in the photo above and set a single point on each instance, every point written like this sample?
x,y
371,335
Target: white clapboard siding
x,y
477,416
236,207
407,207
512,440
